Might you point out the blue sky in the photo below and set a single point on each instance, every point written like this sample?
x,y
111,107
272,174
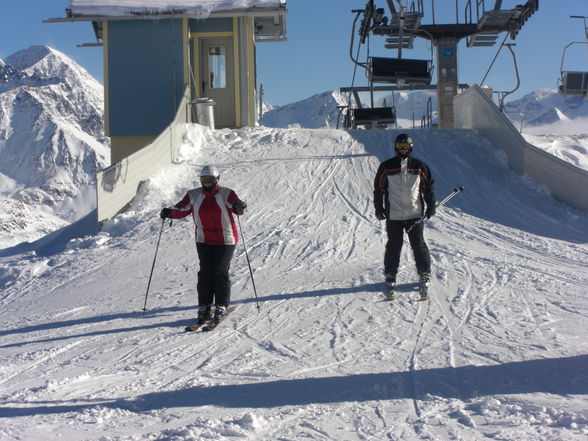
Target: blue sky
x,y
316,59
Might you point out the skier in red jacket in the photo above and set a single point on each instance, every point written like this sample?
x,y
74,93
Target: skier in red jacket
x,y
212,208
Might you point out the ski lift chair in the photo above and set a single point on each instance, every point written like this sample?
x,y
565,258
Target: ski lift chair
x,y
399,71
574,83
372,117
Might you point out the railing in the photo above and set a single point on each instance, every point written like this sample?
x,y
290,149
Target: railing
x,y
117,185
474,109
427,119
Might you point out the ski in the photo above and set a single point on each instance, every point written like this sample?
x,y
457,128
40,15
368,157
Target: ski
x,y
208,324
195,327
423,288
211,325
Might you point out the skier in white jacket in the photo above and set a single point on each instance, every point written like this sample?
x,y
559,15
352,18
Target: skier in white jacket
x,y
403,193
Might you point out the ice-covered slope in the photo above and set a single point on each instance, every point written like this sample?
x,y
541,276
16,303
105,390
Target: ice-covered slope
x,y
51,143
499,352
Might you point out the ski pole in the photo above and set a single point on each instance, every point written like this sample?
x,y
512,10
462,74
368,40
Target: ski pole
x,y
153,266
453,193
248,262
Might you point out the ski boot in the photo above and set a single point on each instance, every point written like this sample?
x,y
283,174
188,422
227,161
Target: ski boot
x,y
425,281
219,313
390,285
204,315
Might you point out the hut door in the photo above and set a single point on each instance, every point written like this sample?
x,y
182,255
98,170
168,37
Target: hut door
x,y
218,78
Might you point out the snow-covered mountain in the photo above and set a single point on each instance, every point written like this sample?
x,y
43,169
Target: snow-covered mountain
x,y
411,105
318,111
558,124
547,106
51,142
321,110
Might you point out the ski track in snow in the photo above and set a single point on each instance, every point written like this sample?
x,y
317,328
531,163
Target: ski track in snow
x,y
496,352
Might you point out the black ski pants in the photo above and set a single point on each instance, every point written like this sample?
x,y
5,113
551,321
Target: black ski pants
x,y
395,230
214,284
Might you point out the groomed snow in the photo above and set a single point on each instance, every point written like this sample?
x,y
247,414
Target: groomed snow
x,y
499,352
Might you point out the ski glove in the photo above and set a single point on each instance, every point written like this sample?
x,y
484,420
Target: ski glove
x,y
431,210
380,214
166,213
239,207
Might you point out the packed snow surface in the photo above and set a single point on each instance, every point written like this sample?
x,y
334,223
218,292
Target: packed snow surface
x,y
498,352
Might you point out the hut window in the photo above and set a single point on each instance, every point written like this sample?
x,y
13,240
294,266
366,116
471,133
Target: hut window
x,y
217,65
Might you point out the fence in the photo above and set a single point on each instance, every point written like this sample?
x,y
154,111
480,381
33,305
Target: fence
x,y
474,109
117,185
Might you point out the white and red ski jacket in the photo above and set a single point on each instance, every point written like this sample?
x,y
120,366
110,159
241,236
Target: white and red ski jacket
x,y
212,213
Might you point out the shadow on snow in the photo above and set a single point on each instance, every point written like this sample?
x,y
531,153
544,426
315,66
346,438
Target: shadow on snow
x,y
44,327
560,376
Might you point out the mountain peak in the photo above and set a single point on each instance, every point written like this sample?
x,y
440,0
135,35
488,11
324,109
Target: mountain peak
x,y
27,58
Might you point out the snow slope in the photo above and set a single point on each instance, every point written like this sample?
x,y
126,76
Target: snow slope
x,y
499,352
554,123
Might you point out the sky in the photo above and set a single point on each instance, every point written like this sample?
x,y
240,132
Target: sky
x,y
316,58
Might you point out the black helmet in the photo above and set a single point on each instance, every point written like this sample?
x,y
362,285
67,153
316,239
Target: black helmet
x,y
403,140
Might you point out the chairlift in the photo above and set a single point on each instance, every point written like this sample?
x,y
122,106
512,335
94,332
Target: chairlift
x,y
573,82
402,71
372,117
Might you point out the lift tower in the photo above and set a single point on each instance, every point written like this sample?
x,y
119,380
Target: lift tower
x,y
480,27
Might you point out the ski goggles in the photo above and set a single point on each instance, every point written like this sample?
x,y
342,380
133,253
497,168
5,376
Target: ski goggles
x,y
403,145
208,180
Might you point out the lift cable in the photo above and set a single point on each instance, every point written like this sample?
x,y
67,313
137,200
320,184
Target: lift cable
x,y
495,57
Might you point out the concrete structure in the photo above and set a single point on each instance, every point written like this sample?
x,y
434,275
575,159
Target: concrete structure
x,y
474,109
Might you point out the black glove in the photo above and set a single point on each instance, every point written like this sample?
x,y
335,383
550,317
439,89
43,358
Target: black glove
x,y
431,210
380,214
166,213
239,207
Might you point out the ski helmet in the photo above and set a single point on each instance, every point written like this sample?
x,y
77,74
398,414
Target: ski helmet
x,y
403,140
210,170
209,177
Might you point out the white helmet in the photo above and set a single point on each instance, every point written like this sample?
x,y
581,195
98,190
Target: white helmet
x,y
210,170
